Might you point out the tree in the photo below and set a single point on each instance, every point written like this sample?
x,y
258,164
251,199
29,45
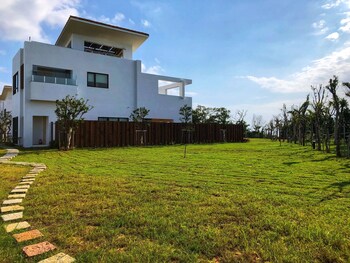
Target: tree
x,y
185,113
257,124
332,88
278,126
70,112
299,121
200,114
318,114
221,115
347,85
285,123
239,119
5,124
139,114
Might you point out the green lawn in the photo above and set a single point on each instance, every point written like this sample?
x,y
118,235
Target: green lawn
x,y
223,203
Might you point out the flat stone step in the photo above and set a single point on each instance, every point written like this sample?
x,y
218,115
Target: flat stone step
x,y
25,183
19,191
13,216
17,226
59,258
17,196
28,235
22,187
28,180
28,177
37,249
11,208
12,201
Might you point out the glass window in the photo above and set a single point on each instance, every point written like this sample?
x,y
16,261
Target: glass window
x,y
15,83
91,79
103,49
97,80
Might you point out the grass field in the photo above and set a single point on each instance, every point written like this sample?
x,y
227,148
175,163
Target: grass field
x,y
252,202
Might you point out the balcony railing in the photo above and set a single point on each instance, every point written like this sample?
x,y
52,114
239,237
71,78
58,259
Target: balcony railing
x,y
54,80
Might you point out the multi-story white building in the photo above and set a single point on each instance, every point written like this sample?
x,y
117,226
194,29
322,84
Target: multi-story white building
x,y
93,61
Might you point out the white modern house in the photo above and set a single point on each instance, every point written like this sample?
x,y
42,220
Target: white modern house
x,y
94,61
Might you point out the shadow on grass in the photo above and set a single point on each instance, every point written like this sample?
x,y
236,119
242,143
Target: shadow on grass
x,y
290,163
340,187
326,158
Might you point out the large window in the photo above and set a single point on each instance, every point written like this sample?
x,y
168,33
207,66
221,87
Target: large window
x,y
53,75
103,49
51,72
15,83
97,80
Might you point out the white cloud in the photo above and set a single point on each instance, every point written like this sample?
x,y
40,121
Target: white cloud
x,y
149,8
116,20
333,37
119,17
145,23
23,18
320,26
131,21
332,4
345,24
318,72
157,69
4,70
276,85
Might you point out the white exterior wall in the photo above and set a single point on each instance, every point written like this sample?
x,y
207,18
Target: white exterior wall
x,y
128,87
160,106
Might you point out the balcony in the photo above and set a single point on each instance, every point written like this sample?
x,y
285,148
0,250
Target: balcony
x,y
54,80
44,88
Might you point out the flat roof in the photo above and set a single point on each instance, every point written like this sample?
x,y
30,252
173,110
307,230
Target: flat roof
x,y
87,27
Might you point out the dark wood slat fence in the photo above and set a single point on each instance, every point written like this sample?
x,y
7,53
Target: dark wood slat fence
x,y
118,134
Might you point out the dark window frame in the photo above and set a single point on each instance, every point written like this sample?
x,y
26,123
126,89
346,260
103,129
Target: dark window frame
x,y
96,84
101,49
15,83
113,119
21,82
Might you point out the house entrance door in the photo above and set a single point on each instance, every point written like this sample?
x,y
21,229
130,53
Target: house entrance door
x,y
40,125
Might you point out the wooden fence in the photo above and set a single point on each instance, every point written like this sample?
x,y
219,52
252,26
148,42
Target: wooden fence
x,y
118,134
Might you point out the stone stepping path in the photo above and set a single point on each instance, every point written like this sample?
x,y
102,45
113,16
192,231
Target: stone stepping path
x,y
11,211
37,249
17,196
11,208
61,258
13,216
29,235
16,226
12,201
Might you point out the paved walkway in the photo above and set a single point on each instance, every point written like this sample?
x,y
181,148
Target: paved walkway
x,y
12,212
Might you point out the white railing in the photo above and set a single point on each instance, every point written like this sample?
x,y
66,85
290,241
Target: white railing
x,y
54,80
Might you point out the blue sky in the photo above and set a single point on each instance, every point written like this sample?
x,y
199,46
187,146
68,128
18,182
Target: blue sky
x,y
253,55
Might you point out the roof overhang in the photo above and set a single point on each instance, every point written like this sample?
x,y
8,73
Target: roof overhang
x,y
82,26
5,91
